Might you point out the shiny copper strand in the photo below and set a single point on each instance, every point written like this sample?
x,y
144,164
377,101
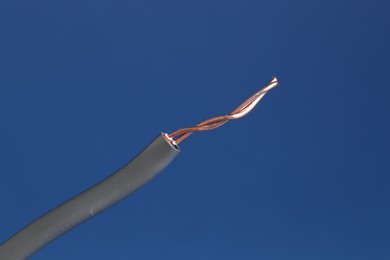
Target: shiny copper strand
x,y
214,122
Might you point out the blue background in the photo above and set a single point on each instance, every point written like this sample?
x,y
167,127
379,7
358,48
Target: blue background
x,y
85,85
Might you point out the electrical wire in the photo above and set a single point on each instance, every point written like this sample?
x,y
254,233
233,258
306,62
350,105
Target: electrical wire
x,y
145,166
214,122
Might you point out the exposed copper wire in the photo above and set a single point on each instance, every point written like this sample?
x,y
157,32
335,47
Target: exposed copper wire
x,y
214,122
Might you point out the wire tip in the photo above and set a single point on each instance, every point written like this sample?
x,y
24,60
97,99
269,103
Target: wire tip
x,y
274,80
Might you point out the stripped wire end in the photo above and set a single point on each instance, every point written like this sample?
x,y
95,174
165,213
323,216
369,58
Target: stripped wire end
x,y
214,122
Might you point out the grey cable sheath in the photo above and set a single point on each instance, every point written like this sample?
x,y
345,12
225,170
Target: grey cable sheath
x,y
146,165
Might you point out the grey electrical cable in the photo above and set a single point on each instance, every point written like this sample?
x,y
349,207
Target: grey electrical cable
x,y
152,160
146,165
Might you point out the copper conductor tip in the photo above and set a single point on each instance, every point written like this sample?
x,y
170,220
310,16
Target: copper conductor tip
x,y
214,122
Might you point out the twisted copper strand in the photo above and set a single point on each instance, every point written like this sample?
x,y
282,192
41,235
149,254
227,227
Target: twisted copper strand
x,y
214,122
